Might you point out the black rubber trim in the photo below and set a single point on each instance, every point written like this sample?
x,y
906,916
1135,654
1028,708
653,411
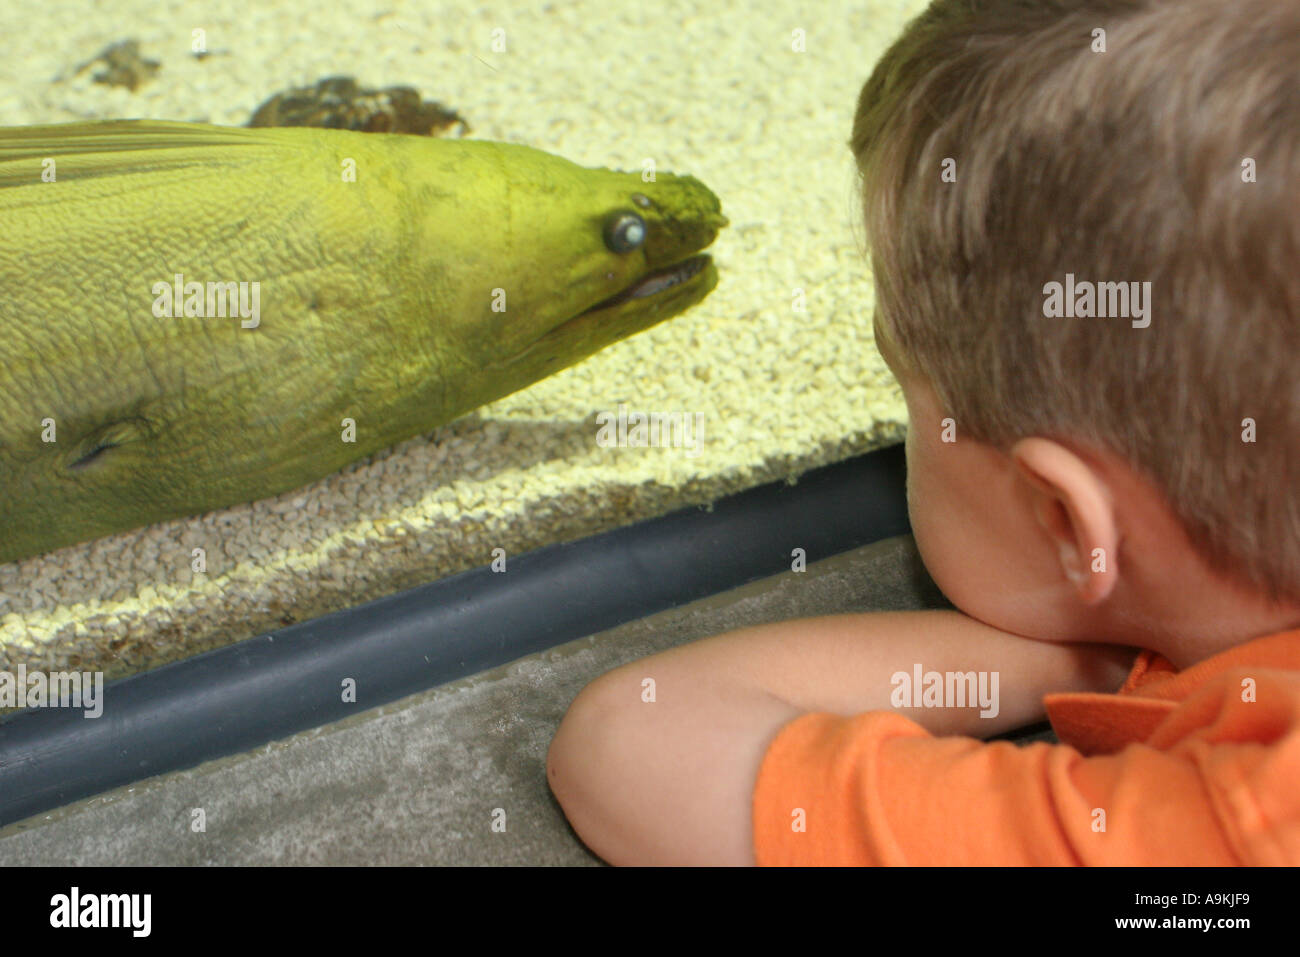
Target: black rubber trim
x,y
239,697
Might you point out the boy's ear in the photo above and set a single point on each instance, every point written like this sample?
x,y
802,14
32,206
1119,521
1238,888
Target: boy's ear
x,y
1073,505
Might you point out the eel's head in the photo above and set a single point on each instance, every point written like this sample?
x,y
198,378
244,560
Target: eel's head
x,y
594,256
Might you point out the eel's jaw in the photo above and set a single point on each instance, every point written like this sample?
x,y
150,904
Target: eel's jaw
x,y
654,282
653,298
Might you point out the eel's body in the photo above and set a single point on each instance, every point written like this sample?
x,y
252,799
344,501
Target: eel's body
x,y
443,275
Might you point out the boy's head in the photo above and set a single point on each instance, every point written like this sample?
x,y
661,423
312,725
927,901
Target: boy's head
x,y
1015,156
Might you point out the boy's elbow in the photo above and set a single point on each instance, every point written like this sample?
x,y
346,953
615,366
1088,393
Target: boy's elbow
x,y
666,782
578,769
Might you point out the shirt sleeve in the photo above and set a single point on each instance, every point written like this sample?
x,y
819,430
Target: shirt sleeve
x,y
878,789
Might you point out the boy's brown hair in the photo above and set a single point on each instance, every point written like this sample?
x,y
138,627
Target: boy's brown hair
x,y
1128,165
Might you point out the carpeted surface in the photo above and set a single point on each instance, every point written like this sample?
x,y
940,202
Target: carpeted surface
x,y
419,781
755,99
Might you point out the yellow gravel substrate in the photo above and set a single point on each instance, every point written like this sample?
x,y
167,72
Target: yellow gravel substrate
x,y
714,90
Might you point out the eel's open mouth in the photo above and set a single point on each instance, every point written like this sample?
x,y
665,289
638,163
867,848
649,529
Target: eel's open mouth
x,y
654,282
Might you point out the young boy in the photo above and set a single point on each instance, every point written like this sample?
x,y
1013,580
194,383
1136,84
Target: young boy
x,y
1085,228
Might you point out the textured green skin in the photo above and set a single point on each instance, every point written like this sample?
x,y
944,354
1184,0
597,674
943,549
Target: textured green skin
x,y
375,304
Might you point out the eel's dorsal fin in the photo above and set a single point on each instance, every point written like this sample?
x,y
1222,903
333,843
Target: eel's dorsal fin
x,y
124,147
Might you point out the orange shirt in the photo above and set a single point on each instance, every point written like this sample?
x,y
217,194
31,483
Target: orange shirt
x,y
1179,768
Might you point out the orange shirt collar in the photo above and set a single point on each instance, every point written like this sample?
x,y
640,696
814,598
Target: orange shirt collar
x,y
1105,723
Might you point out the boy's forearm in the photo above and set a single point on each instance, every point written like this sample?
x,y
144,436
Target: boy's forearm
x,y
847,664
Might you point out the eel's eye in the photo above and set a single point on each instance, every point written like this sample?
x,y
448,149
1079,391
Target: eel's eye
x,y
624,232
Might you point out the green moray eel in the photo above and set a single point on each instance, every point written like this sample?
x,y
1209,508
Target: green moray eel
x,y
389,285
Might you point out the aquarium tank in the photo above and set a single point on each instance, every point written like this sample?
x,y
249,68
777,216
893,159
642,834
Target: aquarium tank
x,y
368,295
